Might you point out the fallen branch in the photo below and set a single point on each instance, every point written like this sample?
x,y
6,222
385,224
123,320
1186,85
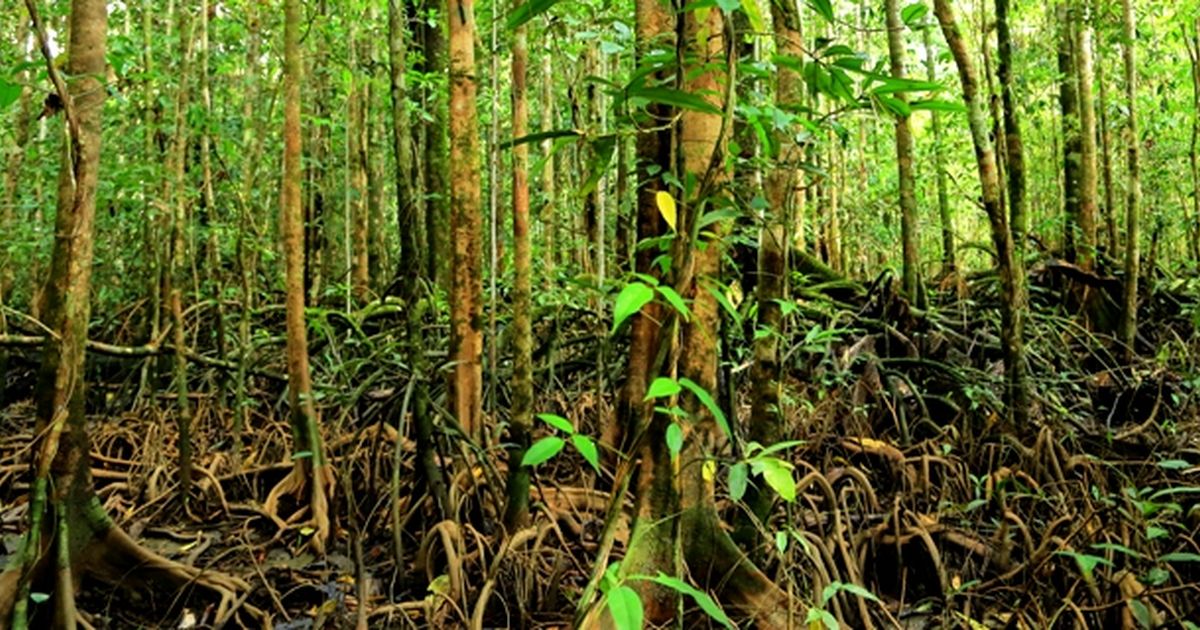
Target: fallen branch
x,y
145,350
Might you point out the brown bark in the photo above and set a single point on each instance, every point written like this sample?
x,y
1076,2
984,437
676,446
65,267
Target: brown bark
x,y
466,221
1133,190
549,225
517,511
1088,203
359,217
1193,42
311,470
1110,203
1015,150
904,157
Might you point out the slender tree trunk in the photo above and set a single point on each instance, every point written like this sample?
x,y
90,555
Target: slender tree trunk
x,y
1193,158
1133,192
178,194
1110,203
1015,149
904,157
766,417
437,175
1013,299
549,224
245,252
465,204
945,216
654,477
311,471
517,511
359,215
410,272
1088,202
1068,98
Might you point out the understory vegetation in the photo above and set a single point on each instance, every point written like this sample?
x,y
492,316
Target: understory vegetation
x,y
725,313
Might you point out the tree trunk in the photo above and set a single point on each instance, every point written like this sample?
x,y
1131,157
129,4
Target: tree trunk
x,y
1088,202
1133,192
1193,43
359,163
1068,99
517,511
549,225
465,204
69,532
1110,204
945,216
436,164
1013,298
311,471
904,157
1015,149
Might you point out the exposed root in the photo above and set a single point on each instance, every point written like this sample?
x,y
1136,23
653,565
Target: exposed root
x,y
319,481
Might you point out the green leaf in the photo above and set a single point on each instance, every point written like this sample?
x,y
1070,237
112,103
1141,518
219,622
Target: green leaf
x,y
894,105
739,476
778,475
781,541
729,6
715,289
824,8
558,422
1173,464
1180,556
701,598
9,93
529,10
1117,548
625,608
674,98
896,85
1087,563
587,448
934,105
302,455
542,450
706,399
676,301
1141,613
630,300
836,587
820,615
674,438
912,14
39,598
662,387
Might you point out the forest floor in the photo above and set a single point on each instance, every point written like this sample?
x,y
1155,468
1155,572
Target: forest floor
x,y
911,483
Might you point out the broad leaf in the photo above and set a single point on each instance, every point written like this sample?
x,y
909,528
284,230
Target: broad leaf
x,y
542,450
824,8
558,422
739,476
625,608
674,98
662,387
701,598
630,300
666,207
529,10
587,448
674,438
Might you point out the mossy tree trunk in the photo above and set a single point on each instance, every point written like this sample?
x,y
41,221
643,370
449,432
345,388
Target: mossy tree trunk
x,y
1013,302
466,309
1133,188
904,157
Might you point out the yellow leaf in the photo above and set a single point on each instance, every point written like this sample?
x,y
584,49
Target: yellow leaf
x,y
710,470
440,585
666,207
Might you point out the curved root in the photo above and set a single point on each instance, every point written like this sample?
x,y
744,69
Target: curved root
x,y
319,481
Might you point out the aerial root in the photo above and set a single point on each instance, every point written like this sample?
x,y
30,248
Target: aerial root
x,y
319,481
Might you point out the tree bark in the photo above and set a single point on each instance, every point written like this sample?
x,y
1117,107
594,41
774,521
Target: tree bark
x,y
1068,99
311,470
1088,203
1013,302
945,214
466,221
1015,148
904,157
1133,192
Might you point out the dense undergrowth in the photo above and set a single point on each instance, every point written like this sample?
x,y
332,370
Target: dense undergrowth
x,y
914,503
